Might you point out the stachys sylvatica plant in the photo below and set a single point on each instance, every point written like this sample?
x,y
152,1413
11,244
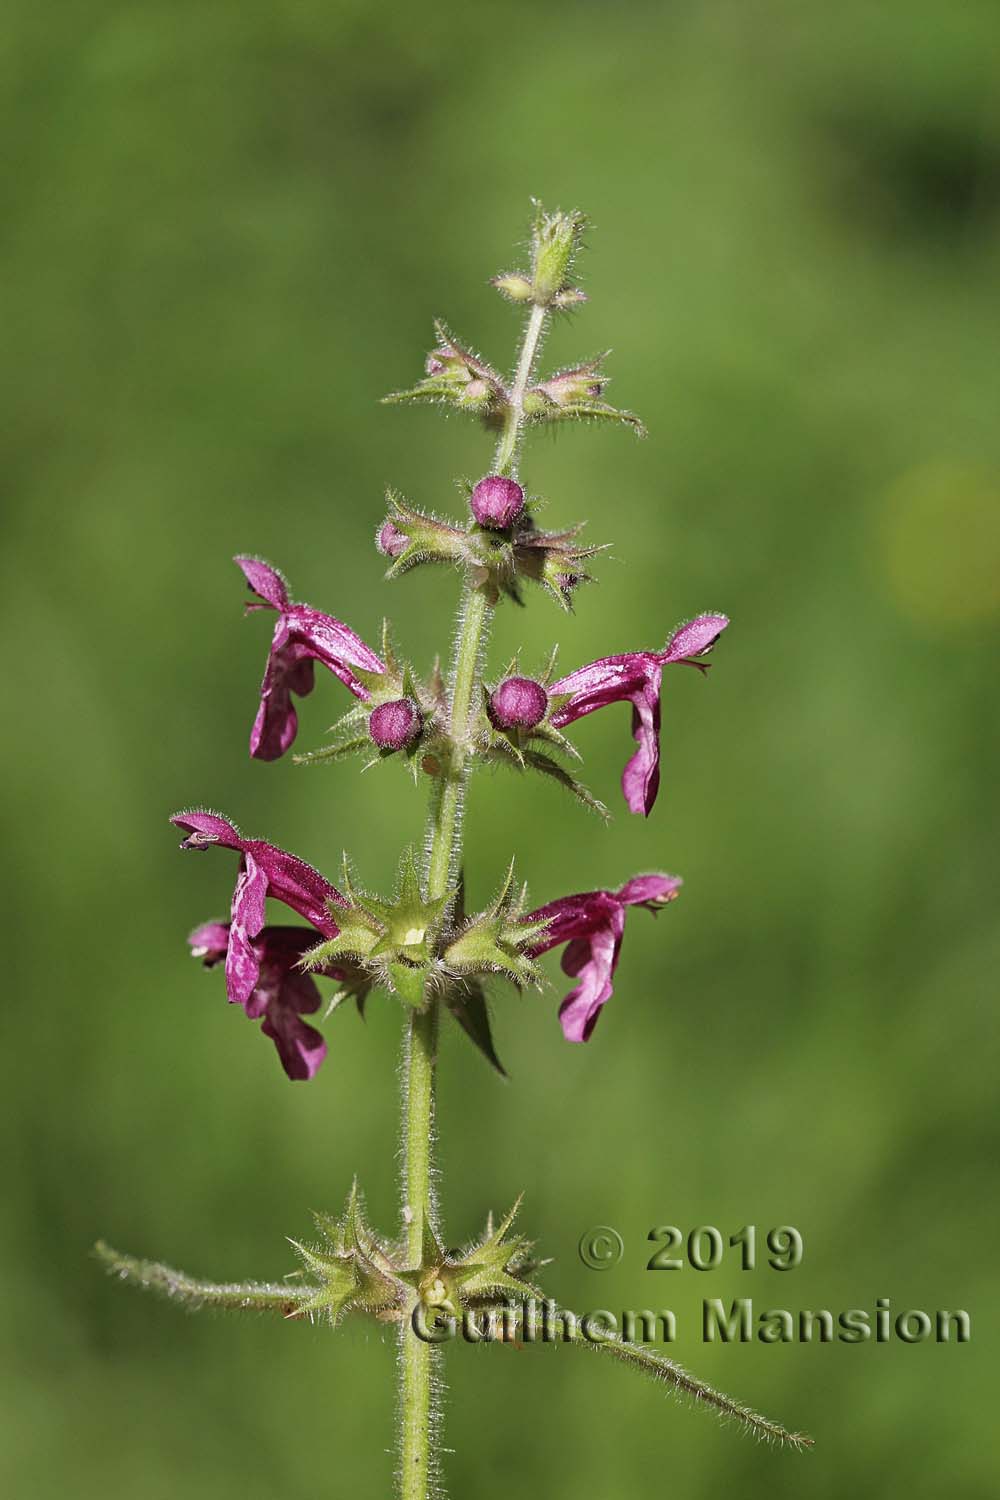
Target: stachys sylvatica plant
x,y
426,943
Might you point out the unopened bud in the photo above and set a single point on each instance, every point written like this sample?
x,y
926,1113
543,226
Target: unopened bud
x,y
570,296
518,703
448,362
476,390
390,541
497,502
555,238
582,383
395,725
515,287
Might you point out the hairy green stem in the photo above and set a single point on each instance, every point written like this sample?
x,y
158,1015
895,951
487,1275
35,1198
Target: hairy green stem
x,y
419,1143
416,1373
416,1457
505,461
444,839
445,813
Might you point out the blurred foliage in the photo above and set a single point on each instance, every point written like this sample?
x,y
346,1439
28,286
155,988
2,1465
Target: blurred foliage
x,y
227,228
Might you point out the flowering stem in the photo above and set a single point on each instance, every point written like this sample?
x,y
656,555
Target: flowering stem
x,y
420,1061
444,816
444,829
416,1372
505,461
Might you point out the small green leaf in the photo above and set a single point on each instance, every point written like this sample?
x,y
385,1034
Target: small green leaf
x,y
408,983
558,739
496,1266
233,1296
590,411
356,939
358,745
548,767
669,1374
467,1003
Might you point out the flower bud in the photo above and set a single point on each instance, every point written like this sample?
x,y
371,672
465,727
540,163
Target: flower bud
x,y
571,296
395,725
476,392
582,383
514,286
518,703
448,362
555,239
455,376
497,502
390,541
562,575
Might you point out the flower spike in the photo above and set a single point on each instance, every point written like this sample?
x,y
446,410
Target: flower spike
x,y
420,943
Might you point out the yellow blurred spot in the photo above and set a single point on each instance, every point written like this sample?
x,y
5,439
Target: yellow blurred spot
x,y
941,540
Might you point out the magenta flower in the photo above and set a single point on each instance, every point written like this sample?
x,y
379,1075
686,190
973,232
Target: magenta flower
x,y
592,925
301,636
634,677
395,725
282,994
264,871
496,502
518,703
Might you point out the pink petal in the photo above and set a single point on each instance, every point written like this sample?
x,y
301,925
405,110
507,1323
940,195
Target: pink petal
x,y
242,958
595,963
289,669
570,917
644,890
613,679
265,581
301,1048
298,885
334,644
695,638
209,942
641,776
206,828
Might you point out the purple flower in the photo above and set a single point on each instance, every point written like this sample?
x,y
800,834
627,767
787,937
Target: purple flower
x,y
634,677
282,993
395,725
497,502
264,871
518,703
592,925
301,636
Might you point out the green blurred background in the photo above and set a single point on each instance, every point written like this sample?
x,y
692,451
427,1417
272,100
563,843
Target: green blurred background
x,y
226,230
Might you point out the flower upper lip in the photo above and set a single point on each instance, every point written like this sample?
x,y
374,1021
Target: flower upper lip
x,y
287,878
